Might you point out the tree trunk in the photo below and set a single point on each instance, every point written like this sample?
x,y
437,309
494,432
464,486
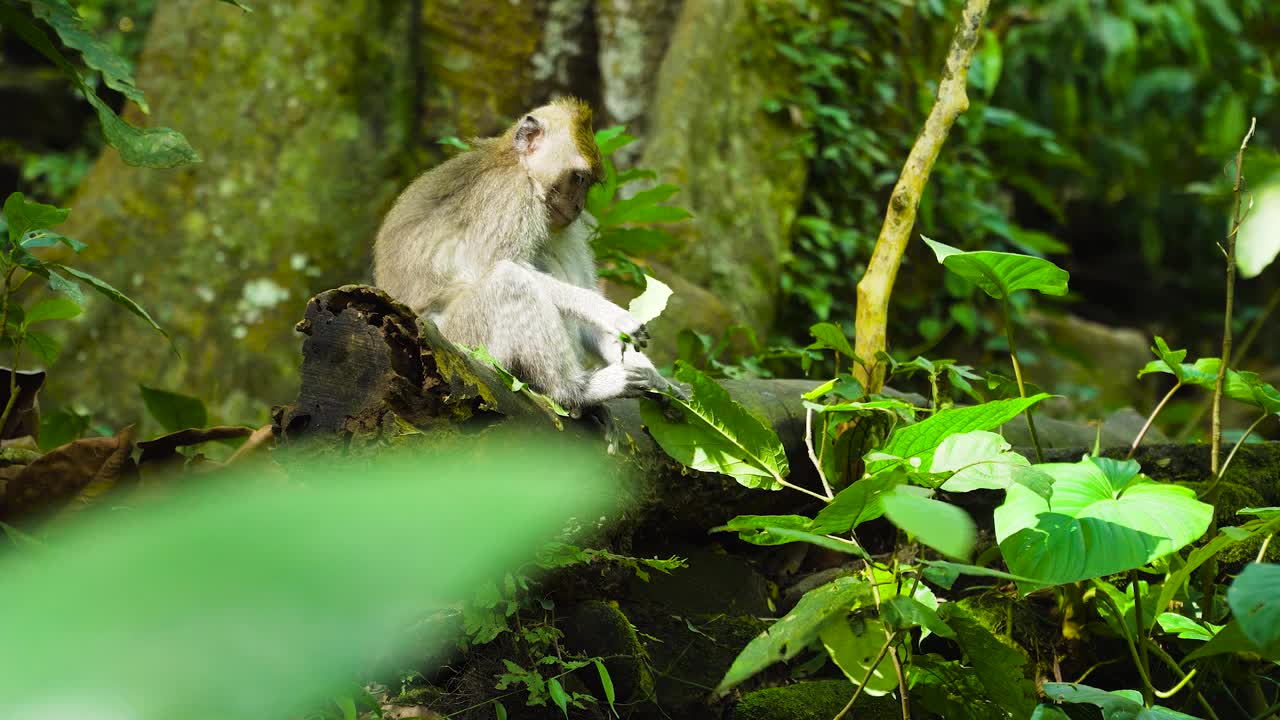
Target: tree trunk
x,y
310,120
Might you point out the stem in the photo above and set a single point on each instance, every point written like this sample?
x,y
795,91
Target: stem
x,y
1017,374
1148,691
1177,688
1150,419
17,348
1177,670
1209,573
888,643
808,443
1269,712
1133,649
1262,551
804,490
1222,472
1237,352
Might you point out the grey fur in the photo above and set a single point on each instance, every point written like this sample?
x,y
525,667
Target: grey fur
x,y
471,244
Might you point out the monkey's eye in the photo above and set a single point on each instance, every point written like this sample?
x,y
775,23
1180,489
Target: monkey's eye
x,y
581,178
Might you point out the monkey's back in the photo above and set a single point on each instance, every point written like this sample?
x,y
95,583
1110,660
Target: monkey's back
x,y
453,224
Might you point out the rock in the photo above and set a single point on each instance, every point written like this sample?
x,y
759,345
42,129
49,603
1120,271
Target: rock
x,y
812,700
730,158
598,629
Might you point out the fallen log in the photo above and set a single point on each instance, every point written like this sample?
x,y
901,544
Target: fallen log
x,y
372,370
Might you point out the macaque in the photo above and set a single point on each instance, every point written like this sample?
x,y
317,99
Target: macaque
x,y
492,245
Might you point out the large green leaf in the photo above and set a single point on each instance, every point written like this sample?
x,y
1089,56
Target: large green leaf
x,y
116,70
717,434
915,440
52,308
856,504
789,636
853,646
1115,705
174,411
942,526
756,529
982,460
245,568
1254,597
150,147
1103,519
1001,274
112,294
23,216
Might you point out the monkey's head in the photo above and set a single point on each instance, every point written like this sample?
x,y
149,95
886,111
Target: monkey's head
x,y
557,147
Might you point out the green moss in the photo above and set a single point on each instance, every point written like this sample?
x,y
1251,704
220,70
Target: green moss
x,y
812,700
599,629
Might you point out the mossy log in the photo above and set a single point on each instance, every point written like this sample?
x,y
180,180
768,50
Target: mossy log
x,y
371,371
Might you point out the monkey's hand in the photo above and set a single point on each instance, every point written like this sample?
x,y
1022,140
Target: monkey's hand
x,y
637,337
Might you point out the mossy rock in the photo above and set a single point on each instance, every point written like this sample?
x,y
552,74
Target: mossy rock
x,y
599,629
812,700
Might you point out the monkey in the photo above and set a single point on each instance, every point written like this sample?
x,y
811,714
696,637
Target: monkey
x,y
493,246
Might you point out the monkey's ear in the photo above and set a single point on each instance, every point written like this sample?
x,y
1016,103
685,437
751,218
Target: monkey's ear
x,y
528,135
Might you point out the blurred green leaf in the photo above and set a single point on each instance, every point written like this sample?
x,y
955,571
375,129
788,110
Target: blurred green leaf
x,y
24,216
111,294
174,411
116,71
53,308
940,525
231,568
61,427
1254,597
44,346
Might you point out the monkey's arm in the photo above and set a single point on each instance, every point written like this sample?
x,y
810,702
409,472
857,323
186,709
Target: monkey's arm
x,y
585,305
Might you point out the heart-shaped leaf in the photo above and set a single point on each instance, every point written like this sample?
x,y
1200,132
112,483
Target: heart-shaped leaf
x,y
1102,520
1002,274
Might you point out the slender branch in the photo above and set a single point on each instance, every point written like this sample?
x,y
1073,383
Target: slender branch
x,y
1017,374
1270,712
1186,680
1150,419
1177,670
1209,573
813,456
888,643
1222,472
804,490
876,285
1148,690
8,291
1262,551
1238,351
1133,649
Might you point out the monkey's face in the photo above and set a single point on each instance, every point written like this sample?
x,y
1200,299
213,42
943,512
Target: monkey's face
x,y
557,148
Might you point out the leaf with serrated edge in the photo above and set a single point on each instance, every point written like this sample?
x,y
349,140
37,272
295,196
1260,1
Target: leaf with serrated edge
x,y
717,434
915,440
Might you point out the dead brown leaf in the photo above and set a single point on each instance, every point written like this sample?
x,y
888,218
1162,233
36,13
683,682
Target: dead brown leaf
x,y
69,478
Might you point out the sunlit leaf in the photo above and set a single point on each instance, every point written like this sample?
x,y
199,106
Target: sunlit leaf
x,y
982,460
942,526
650,303
853,647
755,529
1098,523
1258,240
1002,274
52,308
901,613
916,440
856,504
